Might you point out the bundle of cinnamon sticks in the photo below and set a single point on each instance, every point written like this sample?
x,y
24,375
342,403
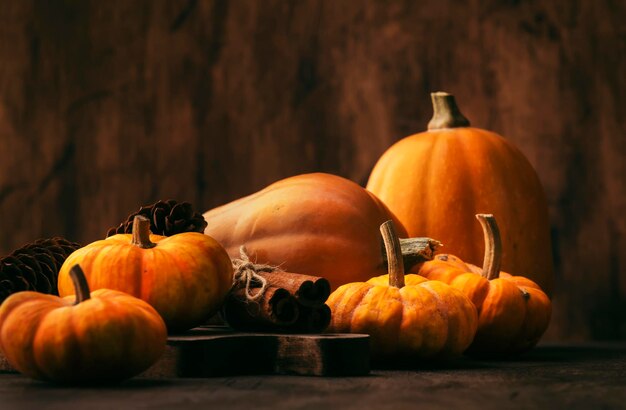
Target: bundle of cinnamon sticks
x,y
290,302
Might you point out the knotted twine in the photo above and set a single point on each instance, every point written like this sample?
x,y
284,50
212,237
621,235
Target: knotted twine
x,y
247,275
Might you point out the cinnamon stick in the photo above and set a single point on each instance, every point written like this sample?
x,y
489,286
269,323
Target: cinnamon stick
x,y
309,291
277,308
264,298
312,320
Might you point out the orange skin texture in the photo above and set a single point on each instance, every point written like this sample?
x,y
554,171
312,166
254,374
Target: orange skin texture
x,y
185,277
423,320
436,181
110,337
317,224
513,311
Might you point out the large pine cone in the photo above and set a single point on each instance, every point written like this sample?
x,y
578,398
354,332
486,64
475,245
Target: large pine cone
x,y
34,266
167,218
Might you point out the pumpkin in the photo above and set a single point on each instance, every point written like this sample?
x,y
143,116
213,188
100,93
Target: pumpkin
x,y
436,181
99,336
318,224
185,277
513,311
407,317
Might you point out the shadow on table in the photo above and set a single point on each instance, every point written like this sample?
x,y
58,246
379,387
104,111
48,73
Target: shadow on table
x,y
574,353
131,384
543,354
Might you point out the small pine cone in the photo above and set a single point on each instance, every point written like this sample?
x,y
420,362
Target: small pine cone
x,y
34,266
167,218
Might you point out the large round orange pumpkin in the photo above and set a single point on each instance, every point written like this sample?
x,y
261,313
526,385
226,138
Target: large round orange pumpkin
x,y
97,336
318,224
436,181
185,277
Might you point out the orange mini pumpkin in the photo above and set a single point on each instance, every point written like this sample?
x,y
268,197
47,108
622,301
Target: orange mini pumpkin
x,y
407,317
91,337
319,224
185,277
436,181
513,311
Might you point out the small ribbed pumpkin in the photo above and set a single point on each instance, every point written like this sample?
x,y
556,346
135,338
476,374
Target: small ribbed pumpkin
x,y
100,336
513,311
407,317
185,277
436,181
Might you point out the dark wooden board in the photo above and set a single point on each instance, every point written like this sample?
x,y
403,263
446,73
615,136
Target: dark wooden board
x,y
219,351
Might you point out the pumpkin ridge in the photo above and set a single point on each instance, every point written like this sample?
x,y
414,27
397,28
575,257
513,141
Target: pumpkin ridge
x,y
532,294
423,189
501,309
400,315
348,313
522,329
467,145
208,247
413,294
36,336
183,291
129,324
131,281
444,313
345,313
97,308
28,348
388,294
156,257
496,143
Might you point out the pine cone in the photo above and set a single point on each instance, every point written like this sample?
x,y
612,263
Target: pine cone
x,y
34,266
167,218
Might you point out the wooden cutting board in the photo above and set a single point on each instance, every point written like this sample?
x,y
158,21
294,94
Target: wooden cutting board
x,y
211,351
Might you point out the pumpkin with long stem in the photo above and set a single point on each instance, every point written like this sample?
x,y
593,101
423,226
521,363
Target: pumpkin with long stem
x,y
513,311
98,336
407,317
436,181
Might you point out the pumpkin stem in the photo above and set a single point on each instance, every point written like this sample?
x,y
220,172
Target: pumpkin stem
x,y
394,254
446,113
81,287
415,250
493,246
141,232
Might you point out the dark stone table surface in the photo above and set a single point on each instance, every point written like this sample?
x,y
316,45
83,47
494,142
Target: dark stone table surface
x,y
575,376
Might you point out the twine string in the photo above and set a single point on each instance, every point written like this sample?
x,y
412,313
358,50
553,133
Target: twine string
x,y
247,275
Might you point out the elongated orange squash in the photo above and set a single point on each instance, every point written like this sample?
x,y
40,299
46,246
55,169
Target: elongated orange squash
x,y
319,224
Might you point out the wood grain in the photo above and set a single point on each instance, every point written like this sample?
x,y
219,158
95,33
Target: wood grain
x,y
106,106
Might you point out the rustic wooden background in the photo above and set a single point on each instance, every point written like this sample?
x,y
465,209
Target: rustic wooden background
x,y
108,105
